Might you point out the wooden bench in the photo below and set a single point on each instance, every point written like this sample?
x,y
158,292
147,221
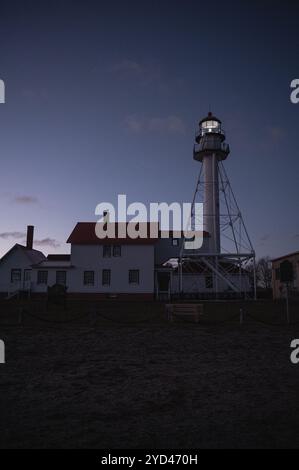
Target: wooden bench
x,y
176,310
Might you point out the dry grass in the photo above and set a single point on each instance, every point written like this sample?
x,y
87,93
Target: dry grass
x,y
98,383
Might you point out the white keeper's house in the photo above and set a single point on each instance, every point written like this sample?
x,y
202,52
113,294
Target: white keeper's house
x,y
140,268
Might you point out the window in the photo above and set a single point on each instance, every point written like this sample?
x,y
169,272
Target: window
x,y
116,250
61,278
15,275
175,242
209,282
27,275
88,278
277,274
107,251
106,277
42,277
134,276
294,271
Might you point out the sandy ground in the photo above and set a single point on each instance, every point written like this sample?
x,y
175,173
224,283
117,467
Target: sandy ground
x,y
149,386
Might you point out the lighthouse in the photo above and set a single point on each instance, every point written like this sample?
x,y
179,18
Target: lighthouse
x,y
210,149
222,262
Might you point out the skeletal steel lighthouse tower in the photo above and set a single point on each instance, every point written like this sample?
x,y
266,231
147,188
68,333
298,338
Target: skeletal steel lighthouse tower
x,y
229,251
210,149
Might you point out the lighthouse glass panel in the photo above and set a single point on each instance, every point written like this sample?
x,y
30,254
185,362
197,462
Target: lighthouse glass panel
x,y
210,126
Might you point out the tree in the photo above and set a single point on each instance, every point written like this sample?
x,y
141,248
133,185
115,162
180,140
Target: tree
x,y
264,273
263,270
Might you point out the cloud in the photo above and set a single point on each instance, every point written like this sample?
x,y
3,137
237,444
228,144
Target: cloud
x,y
14,235
146,74
296,236
25,200
35,94
143,73
134,123
47,242
169,124
276,133
264,238
22,236
126,66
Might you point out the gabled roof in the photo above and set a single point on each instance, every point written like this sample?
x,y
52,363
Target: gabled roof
x,y
290,255
48,264
34,256
84,234
59,257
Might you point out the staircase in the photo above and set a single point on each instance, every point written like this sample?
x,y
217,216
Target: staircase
x,y
16,289
221,274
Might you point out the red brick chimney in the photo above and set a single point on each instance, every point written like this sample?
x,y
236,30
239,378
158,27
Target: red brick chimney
x,y
30,232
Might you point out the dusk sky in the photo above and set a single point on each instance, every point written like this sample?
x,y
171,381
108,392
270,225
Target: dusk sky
x,y
103,98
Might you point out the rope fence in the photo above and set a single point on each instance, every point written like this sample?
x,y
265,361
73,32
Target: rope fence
x,y
36,317
93,314
129,322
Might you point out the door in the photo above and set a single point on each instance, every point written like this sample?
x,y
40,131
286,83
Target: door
x,y
163,280
27,279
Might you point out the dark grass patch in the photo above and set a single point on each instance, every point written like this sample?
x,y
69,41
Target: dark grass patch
x,y
153,384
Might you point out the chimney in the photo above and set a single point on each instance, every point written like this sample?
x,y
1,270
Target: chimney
x,y
30,231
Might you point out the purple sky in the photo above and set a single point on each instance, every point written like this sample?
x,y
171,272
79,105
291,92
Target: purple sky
x,y
105,99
